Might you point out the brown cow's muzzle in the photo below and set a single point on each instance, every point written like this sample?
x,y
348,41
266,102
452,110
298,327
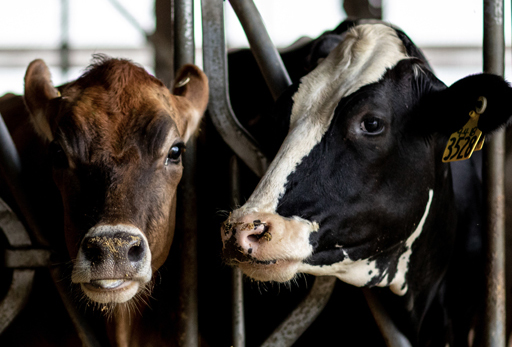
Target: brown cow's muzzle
x,y
266,246
113,263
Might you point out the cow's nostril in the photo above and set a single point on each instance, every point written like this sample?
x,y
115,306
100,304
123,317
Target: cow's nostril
x,y
253,238
136,253
92,252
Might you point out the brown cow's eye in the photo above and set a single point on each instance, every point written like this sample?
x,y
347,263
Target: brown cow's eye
x,y
174,155
372,126
57,155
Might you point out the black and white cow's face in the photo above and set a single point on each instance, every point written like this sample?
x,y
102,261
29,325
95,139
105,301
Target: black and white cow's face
x,y
355,182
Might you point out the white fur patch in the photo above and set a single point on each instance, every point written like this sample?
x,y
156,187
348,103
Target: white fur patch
x,y
362,58
362,271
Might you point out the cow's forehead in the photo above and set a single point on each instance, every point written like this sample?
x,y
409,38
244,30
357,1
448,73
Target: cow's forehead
x,y
363,57
92,119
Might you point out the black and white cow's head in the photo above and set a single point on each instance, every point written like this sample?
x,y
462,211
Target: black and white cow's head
x,y
358,183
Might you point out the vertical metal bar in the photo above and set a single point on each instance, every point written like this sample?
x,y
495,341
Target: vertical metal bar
x,y
64,41
164,29
264,51
493,174
219,106
238,322
184,53
184,33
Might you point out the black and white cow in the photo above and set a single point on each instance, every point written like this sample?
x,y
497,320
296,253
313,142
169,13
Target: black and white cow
x,y
358,189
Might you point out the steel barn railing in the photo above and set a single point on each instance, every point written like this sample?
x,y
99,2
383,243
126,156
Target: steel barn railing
x,y
24,257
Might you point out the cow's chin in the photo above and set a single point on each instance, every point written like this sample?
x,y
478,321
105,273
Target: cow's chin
x,y
274,271
111,291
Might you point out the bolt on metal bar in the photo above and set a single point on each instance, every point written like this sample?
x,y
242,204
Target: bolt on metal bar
x,y
493,175
184,53
264,51
237,307
219,107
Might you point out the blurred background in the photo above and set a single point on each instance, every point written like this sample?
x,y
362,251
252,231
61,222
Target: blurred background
x,y
65,33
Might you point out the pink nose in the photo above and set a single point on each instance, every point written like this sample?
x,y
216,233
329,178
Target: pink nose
x,y
250,236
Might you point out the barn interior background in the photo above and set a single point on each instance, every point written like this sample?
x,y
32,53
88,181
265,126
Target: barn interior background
x,y
65,33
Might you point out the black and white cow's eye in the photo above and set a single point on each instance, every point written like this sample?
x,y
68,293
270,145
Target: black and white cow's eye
x,y
372,126
57,155
174,155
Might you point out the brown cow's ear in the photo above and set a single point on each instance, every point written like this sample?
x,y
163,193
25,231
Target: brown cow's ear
x,y
39,90
192,84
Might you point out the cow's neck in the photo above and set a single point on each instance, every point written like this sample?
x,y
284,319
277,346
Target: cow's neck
x,y
419,313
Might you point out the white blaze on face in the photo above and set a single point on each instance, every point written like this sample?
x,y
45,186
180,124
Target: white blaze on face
x,y
362,271
362,58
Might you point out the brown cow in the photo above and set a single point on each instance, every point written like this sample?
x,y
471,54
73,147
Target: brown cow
x,y
114,139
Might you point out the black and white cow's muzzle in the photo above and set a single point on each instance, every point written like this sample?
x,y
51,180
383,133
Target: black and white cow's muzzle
x,y
266,246
113,263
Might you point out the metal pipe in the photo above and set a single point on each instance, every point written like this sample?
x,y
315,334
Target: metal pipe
x,y
237,304
22,280
219,107
304,314
264,51
392,336
493,175
184,53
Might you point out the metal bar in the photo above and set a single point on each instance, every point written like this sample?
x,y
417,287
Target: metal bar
x,y
64,38
264,51
22,280
238,322
493,175
164,29
26,258
306,312
183,33
219,107
392,336
188,331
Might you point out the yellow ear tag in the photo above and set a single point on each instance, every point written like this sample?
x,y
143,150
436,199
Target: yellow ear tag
x,y
463,143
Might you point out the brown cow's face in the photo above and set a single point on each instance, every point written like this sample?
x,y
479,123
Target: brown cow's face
x,y
116,138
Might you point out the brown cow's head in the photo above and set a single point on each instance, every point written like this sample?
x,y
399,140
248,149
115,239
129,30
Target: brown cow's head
x,y
115,137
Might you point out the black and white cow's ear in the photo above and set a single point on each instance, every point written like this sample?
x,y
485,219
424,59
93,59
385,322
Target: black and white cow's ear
x,y
448,110
39,91
192,84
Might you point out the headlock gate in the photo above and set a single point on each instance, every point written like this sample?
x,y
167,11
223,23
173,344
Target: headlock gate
x,y
26,258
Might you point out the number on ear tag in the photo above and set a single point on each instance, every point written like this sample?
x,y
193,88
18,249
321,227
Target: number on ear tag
x,y
463,143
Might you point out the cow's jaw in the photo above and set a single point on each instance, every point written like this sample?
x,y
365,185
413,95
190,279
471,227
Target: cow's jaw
x,y
119,275
363,272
